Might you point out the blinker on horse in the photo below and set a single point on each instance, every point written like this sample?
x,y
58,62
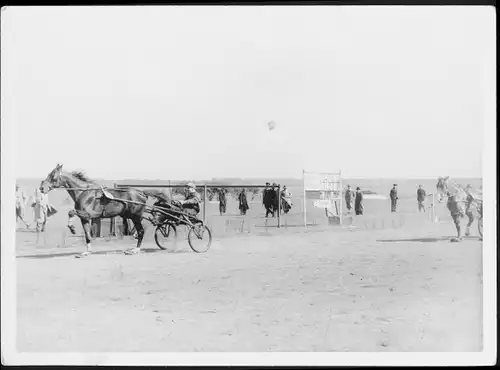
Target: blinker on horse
x,y
92,201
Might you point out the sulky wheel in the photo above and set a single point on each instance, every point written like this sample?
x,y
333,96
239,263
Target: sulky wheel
x,y
200,238
166,237
480,227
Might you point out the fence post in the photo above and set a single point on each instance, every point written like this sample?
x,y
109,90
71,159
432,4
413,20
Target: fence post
x,y
304,203
279,206
205,202
112,227
340,200
433,210
97,228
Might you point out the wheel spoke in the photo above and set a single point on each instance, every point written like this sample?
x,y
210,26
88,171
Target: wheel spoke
x,y
203,237
165,237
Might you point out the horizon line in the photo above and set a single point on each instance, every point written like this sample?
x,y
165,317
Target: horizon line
x,y
275,178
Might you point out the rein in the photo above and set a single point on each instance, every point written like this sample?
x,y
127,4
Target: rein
x,y
460,188
114,189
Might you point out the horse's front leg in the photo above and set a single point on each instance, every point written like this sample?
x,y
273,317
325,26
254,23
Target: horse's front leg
x,y
85,219
457,220
137,220
471,217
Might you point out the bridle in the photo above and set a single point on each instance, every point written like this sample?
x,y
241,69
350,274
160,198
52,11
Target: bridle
x,y
55,184
444,189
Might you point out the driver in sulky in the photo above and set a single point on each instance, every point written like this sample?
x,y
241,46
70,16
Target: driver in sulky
x,y
192,202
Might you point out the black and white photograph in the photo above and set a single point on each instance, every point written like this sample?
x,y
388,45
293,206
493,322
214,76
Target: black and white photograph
x,y
248,185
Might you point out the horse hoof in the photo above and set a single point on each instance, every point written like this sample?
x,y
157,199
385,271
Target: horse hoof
x,y
467,234
82,255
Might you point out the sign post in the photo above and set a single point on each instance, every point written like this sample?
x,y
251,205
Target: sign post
x,y
329,185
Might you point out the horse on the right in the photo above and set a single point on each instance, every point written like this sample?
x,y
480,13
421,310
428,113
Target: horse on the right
x,y
461,202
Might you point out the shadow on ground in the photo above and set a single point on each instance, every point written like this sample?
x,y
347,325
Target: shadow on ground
x,y
114,251
424,240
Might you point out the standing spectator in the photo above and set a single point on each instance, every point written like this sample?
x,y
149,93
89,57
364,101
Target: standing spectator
x,y
40,205
394,197
286,200
358,202
264,194
421,194
243,206
349,198
267,200
275,198
21,205
42,209
222,201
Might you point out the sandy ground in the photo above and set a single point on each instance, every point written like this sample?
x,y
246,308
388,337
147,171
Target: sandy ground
x,y
398,289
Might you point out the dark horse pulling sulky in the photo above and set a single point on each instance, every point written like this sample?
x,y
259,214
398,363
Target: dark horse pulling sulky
x,y
94,201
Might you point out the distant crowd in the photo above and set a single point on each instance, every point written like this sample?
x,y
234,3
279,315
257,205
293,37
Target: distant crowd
x,y
270,200
355,199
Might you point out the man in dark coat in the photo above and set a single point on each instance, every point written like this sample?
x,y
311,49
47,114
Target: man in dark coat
x,y
421,198
267,200
394,197
243,206
222,201
275,198
358,202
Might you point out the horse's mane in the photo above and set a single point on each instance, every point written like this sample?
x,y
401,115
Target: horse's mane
x,y
80,175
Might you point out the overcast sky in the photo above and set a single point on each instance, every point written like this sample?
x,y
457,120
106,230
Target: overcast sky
x,y
187,92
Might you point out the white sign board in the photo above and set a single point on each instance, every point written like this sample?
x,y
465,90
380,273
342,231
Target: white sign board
x,y
325,203
329,186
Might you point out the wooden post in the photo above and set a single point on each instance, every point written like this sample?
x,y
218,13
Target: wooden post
x,y
205,202
304,206
433,210
112,226
341,197
279,206
97,228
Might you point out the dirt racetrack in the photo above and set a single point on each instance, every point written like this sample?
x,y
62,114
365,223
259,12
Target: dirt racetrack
x,y
405,289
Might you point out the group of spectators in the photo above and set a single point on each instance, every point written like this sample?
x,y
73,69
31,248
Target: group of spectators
x,y
242,201
42,210
356,199
270,200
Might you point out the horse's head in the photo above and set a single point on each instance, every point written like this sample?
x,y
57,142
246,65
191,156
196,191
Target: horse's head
x,y
53,180
442,188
